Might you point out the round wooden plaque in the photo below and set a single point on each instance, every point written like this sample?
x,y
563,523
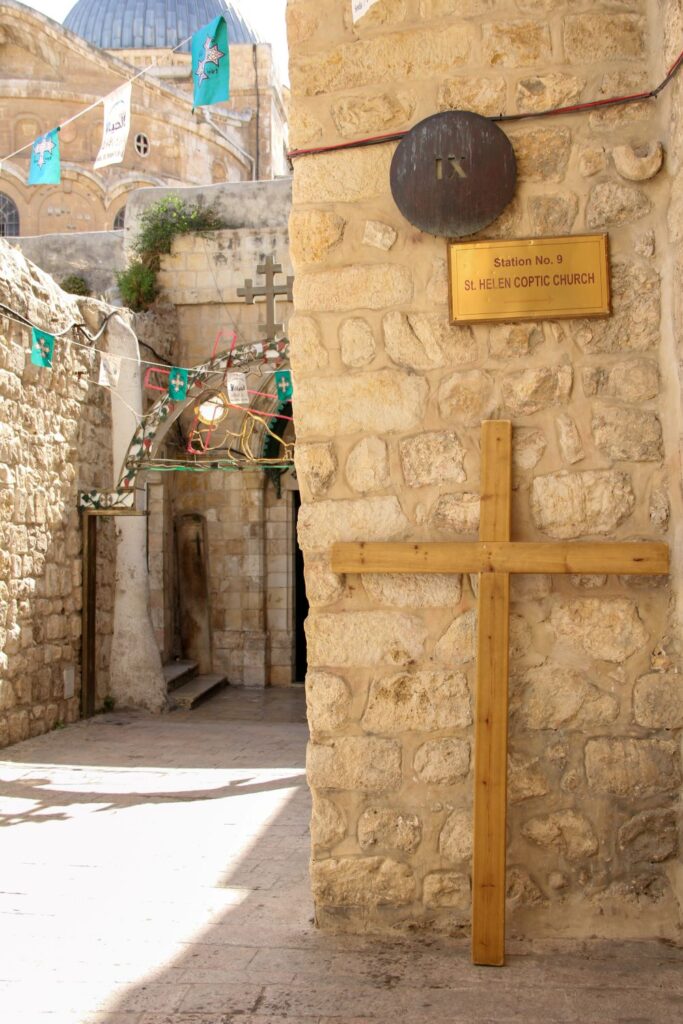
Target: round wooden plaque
x,y
453,174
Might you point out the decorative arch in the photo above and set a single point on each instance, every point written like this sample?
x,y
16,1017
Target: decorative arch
x,y
10,222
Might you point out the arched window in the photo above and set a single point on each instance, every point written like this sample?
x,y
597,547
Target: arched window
x,y
120,219
9,217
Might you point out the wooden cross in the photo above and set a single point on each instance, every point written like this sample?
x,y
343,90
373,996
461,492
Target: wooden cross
x,y
494,557
270,291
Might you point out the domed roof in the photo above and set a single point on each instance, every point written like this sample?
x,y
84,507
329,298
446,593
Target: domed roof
x,y
151,24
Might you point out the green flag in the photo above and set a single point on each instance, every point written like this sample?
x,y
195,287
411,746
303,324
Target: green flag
x,y
45,166
211,63
283,384
42,348
177,383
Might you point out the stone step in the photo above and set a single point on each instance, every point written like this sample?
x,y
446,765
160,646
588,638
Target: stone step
x,y
177,673
191,693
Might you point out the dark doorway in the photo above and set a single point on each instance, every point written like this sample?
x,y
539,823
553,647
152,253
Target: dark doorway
x,y
193,590
300,601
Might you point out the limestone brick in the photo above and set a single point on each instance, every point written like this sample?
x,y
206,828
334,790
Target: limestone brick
x,y
365,763
658,701
554,214
456,514
542,153
631,434
328,699
432,458
650,836
314,233
375,286
347,177
457,646
307,352
553,697
569,832
325,522
381,402
357,342
367,466
405,590
420,702
571,505
635,380
442,762
421,342
601,37
528,446
467,397
378,112
507,341
455,840
364,638
516,44
317,466
485,96
362,882
607,629
379,828
546,92
447,889
634,325
328,823
528,391
632,767
611,204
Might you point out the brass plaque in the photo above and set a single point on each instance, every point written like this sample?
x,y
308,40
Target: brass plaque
x,y
529,279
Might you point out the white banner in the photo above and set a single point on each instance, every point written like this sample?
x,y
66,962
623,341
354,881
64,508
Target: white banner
x,y
110,369
237,389
116,126
361,7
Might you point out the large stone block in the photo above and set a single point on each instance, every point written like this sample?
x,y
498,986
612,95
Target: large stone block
x,y
367,466
314,234
546,92
455,840
364,638
456,514
635,380
528,391
542,153
609,629
414,590
658,701
364,763
567,831
325,522
554,697
627,434
442,762
362,882
634,325
356,116
322,585
384,829
570,505
418,702
328,701
650,836
611,204
347,177
467,397
307,351
594,37
371,286
357,346
421,341
447,889
554,214
316,466
630,767
328,823
516,44
377,403
485,96
432,458
458,644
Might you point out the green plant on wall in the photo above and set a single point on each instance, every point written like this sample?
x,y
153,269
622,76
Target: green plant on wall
x,y
159,225
74,284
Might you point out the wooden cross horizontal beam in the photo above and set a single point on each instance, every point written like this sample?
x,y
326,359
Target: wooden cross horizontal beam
x,y
631,558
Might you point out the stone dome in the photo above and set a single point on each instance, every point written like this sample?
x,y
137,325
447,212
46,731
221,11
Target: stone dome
x,y
151,24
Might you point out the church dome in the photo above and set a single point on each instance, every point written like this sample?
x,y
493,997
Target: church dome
x,y
151,24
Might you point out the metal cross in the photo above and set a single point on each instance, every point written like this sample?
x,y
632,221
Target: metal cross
x,y
269,291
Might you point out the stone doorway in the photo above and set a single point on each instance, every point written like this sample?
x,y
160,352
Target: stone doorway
x,y
301,606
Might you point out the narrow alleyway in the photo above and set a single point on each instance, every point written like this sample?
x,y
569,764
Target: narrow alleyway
x,y
154,871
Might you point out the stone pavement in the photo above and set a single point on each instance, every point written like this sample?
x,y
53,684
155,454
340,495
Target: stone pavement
x,y
154,871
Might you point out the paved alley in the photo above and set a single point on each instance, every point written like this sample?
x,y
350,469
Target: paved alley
x,y
154,871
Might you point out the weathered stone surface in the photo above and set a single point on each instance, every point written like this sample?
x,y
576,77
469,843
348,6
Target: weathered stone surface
x,y
467,397
457,646
606,628
325,522
357,342
525,780
328,700
636,380
380,828
485,96
437,286
646,244
546,92
316,466
421,341
592,161
370,402
364,763
630,767
516,44
364,638
528,391
442,762
638,163
447,889
569,832
528,447
522,890
346,177
367,467
455,840
405,590
302,23
418,702
658,701
542,153
611,204
322,585
650,836
554,697
314,234
508,341
362,882
622,83
384,12
600,37
456,513
379,235
631,434
554,214
373,286
328,823
432,458
372,112
634,324
660,509
570,505
304,128
393,57
307,351
569,439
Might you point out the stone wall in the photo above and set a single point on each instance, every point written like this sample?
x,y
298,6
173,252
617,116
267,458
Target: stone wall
x,y
388,408
95,256
55,439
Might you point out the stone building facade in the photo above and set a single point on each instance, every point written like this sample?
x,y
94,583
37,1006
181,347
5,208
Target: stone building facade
x,y
390,398
48,74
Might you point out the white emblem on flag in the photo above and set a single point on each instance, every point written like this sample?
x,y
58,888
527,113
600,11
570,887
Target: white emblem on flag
x,y
116,126
110,368
361,7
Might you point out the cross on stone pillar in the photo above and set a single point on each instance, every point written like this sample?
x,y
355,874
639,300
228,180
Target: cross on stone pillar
x,y
269,291
494,557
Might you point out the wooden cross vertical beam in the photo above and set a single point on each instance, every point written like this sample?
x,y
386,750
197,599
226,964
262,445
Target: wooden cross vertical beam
x,y
491,709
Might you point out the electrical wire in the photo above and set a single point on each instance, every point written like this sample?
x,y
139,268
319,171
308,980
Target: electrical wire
x,y
578,108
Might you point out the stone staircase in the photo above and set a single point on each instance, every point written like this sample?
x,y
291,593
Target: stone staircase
x,y
185,688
